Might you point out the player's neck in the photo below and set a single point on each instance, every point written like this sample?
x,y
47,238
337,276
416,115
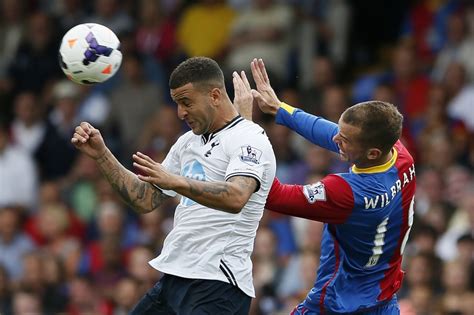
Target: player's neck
x,y
374,163
226,114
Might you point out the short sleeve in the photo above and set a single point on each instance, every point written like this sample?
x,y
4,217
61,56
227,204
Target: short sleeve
x,y
249,155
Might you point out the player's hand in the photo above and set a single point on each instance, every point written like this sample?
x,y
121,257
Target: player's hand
x,y
243,98
153,172
264,95
88,140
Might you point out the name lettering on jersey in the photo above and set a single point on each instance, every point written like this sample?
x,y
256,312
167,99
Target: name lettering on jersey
x,y
214,144
250,154
315,192
384,199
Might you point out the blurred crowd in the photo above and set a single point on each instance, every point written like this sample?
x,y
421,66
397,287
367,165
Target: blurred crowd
x,y
68,245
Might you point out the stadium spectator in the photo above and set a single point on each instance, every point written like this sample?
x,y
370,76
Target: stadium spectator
x,y
14,243
126,295
26,302
38,55
85,299
437,121
80,186
16,166
140,270
425,26
460,94
146,98
323,76
456,34
420,301
53,222
333,103
55,296
55,155
111,14
152,231
461,223
455,277
69,13
28,127
262,30
160,132
156,34
12,31
215,18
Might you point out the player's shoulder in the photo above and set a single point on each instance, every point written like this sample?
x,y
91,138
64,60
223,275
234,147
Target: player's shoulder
x,y
338,182
247,127
186,138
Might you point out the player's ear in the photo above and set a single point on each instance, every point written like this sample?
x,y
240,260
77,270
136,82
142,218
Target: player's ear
x,y
373,154
215,95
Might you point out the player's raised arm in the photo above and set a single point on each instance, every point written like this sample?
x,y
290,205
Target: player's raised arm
x,y
140,195
315,129
229,196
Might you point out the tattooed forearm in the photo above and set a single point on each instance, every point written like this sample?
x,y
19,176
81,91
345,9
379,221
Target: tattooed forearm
x,y
157,198
198,189
245,183
139,189
141,196
230,196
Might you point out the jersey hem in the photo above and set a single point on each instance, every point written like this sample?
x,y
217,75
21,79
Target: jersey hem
x,y
177,273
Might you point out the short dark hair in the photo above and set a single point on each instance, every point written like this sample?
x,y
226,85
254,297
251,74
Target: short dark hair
x,y
197,70
380,123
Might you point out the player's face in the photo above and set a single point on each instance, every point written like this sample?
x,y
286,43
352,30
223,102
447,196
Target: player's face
x,y
195,107
350,149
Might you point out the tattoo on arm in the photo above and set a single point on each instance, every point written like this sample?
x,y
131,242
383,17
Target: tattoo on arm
x,y
228,196
140,195
246,183
212,188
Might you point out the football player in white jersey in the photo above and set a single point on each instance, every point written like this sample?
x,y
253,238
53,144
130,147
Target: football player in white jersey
x,y
222,169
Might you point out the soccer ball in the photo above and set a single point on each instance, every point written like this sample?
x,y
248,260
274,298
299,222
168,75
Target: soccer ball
x,y
89,53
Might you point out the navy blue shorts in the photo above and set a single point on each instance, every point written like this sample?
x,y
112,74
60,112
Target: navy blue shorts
x,y
180,296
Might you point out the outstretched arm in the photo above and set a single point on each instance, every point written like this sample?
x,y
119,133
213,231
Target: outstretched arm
x,y
141,196
230,196
330,200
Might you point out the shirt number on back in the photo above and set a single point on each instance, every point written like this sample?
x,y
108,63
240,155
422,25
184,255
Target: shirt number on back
x,y
377,250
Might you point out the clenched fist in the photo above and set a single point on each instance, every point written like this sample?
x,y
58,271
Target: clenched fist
x,y
88,140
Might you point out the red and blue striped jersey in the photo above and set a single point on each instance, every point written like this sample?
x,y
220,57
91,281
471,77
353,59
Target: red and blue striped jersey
x,y
368,215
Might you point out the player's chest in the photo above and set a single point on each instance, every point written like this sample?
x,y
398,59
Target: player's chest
x,y
204,161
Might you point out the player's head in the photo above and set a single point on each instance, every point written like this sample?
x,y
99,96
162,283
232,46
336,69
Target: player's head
x,y
197,87
368,131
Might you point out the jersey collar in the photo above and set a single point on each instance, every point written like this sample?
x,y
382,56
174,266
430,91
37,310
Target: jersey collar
x,y
205,138
379,168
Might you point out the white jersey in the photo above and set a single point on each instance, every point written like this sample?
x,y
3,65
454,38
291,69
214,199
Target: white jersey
x,y
207,243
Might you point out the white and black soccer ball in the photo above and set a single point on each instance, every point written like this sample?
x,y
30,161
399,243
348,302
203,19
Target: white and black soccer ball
x,y
89,53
